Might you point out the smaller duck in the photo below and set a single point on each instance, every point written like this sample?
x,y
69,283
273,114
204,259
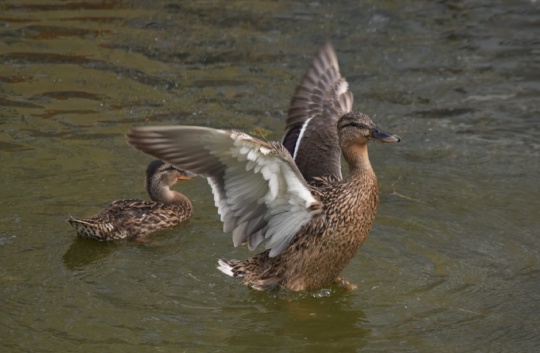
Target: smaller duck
x,y
123,219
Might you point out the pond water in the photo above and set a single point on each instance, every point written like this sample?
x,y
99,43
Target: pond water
x,y
452,262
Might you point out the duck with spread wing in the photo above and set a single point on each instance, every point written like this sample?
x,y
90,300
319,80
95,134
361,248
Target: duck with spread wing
x,y
289,196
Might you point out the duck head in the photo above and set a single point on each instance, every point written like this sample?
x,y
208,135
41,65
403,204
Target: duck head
x,y
358,128
160,176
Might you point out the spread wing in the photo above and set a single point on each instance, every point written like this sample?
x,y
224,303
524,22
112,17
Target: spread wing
x,y
322,97
258,190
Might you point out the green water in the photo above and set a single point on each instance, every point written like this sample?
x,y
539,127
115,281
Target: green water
x,y
452,263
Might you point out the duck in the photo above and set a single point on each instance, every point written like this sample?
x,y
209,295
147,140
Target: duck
x,y
289,196
134,218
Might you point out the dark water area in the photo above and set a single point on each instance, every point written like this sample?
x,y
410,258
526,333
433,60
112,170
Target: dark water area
x,y
451,264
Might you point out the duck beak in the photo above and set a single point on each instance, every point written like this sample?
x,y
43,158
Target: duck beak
x,y
382,136
186,175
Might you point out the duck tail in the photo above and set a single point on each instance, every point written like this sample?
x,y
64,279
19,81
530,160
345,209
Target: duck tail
x,y
91,230
235,268
231,268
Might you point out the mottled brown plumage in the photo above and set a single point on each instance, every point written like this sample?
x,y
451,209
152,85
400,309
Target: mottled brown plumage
x,y
136,218
290,197
324,246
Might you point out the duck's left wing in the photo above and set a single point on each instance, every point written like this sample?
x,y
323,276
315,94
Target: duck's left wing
x,y
259,191
320,99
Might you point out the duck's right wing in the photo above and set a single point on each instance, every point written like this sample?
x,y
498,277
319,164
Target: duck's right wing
x,y
259,192
322,97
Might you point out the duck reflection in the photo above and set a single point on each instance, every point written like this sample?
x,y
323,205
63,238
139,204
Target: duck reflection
x,y
83,252
323,321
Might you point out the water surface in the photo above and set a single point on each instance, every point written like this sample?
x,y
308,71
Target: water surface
x,y
452,263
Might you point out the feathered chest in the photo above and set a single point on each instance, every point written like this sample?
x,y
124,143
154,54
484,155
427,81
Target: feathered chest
x,y
349,205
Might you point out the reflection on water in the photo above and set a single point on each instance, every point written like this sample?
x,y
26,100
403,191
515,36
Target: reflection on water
x,y
452,261
315,324
84,252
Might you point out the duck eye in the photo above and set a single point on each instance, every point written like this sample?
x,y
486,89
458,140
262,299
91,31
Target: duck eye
x,y
352,124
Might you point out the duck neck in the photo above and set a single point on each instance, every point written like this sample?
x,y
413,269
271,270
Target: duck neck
x,y
358,159
361,181
180,199
163,193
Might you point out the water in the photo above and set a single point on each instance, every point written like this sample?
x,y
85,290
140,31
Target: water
x,y
452,263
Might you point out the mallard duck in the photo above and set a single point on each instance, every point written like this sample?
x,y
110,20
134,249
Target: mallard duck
x,y
136,218
290,195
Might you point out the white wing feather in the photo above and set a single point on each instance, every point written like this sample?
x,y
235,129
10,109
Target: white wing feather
x,y
258,190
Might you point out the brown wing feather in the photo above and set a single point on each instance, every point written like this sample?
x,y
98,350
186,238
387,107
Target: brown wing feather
x,y
318,102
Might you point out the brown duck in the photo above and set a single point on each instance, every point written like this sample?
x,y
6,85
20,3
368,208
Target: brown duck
x,y
136,218
290,195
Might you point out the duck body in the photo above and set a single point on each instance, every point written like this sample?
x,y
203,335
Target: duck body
x,y
123,219
324,246
289,196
